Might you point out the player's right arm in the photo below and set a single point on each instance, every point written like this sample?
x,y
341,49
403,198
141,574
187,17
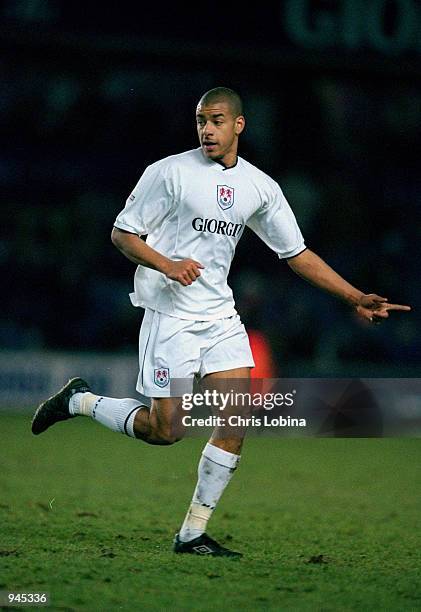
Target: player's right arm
x,y
148,206
134,248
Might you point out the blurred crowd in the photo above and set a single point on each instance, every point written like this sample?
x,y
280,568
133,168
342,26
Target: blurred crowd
x,y
79,130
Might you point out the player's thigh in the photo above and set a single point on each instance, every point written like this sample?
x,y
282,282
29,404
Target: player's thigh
x,y
225,369
232,389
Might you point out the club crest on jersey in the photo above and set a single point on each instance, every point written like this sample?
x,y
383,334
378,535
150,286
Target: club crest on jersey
x,y
161,377
225,196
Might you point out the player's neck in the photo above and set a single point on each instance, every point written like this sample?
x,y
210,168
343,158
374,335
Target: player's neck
x,y
228,163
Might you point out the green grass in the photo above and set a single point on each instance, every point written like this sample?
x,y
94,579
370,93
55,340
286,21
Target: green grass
x,y
106,542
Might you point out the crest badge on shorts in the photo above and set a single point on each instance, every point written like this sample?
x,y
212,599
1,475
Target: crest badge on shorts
x,y
225,196
161,376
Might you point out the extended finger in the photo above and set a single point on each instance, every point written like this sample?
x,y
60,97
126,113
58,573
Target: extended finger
x,y
397,307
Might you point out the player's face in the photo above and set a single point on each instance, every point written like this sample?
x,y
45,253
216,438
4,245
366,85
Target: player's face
x,y
218,132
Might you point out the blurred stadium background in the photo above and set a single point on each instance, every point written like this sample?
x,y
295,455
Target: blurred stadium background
x,y
92,93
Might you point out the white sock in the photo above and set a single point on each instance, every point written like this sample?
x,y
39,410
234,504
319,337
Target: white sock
x,y
216,468
116,414
82,403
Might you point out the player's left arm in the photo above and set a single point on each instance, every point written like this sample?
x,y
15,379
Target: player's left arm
x,y
313,269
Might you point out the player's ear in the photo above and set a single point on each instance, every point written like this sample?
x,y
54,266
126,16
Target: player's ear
x,y
240,124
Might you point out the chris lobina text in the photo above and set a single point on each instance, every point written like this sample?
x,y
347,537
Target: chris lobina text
x,y
239,421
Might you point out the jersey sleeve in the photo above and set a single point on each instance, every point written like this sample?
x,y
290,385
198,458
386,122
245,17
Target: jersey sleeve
x,y
149,203
275,223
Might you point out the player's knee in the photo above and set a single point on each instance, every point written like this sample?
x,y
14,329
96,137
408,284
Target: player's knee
x,y
172,440
168,436
168,440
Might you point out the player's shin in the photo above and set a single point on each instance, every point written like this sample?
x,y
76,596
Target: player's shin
x,y
116,414
216,468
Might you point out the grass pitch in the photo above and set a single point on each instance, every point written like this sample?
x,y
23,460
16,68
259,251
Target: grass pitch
x,y
325,524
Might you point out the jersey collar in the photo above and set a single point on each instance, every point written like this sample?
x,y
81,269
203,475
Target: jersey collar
x,y
220,167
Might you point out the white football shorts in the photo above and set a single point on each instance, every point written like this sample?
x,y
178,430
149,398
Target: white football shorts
x,y
172,348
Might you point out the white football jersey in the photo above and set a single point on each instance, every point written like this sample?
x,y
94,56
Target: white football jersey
x,y
191,207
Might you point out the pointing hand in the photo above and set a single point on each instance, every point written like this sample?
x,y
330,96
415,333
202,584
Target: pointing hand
x,y
374,308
